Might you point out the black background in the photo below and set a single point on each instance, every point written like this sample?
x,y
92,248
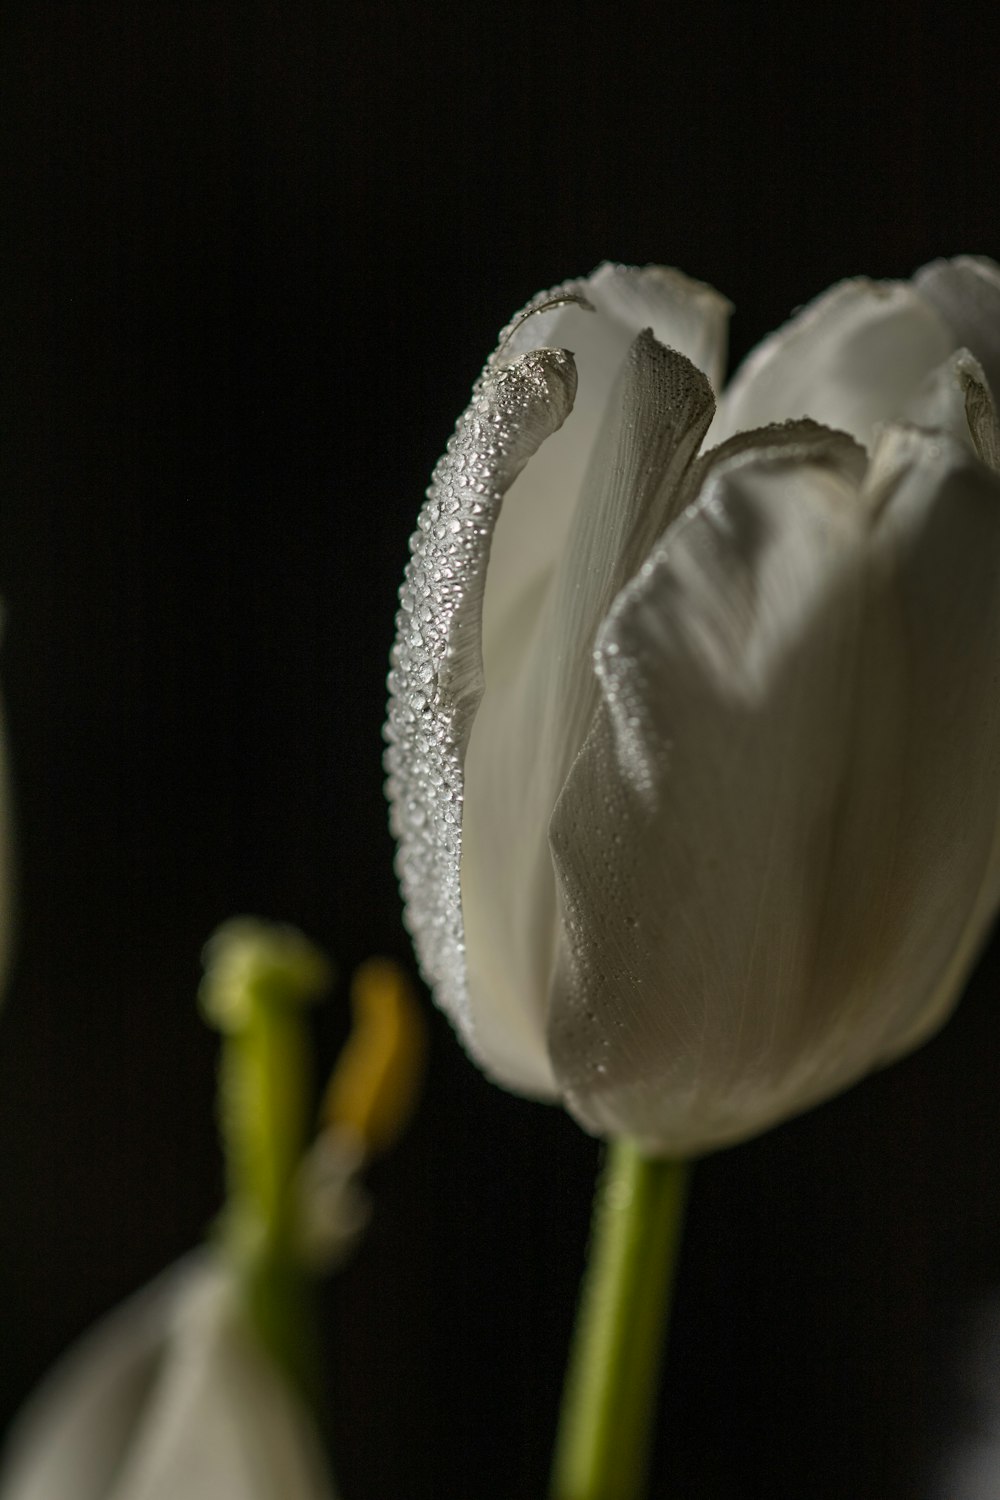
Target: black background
x,y
252,258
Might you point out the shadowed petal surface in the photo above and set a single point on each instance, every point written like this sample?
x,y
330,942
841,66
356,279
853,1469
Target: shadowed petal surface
x,y
785,811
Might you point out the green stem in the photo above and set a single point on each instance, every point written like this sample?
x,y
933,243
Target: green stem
x,y
606,1424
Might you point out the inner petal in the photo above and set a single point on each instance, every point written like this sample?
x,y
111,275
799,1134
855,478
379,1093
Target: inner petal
x,y
851,359
540,697
684,314
966,293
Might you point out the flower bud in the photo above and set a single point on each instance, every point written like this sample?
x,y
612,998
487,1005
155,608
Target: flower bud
x,y
694,729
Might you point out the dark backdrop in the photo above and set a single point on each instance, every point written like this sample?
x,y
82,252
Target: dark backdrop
x,y
252,258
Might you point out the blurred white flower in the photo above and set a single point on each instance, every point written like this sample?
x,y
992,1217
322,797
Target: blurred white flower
x,y
6,872
968,1467
169,1398
694,745
6,860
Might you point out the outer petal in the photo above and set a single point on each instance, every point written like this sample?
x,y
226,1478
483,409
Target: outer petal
x,y
169,1397
448,634
939,530
775,851
851,359
436,678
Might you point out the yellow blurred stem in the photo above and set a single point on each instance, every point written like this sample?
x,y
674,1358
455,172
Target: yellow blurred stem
x,y
378,1074
606,1424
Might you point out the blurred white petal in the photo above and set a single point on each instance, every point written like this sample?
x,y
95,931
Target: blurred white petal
x,y
969,1466
6,854
6,862
70,1438
169,1397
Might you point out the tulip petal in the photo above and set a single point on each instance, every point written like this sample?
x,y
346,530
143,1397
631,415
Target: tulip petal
x,y
537,705
851,359
447,631
956,399
966,294
786,807
685,315
436,677
169,1397
939,530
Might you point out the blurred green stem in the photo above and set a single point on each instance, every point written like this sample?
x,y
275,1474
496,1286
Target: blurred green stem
x,y
258,979
265,1085
606,1424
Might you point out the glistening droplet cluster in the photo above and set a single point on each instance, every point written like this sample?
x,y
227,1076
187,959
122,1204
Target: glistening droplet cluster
x,y
436,675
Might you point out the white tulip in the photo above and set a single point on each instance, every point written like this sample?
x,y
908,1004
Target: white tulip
x,y
694,742
168,1399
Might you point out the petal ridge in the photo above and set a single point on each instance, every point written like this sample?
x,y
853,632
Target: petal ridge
x,y
435,680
